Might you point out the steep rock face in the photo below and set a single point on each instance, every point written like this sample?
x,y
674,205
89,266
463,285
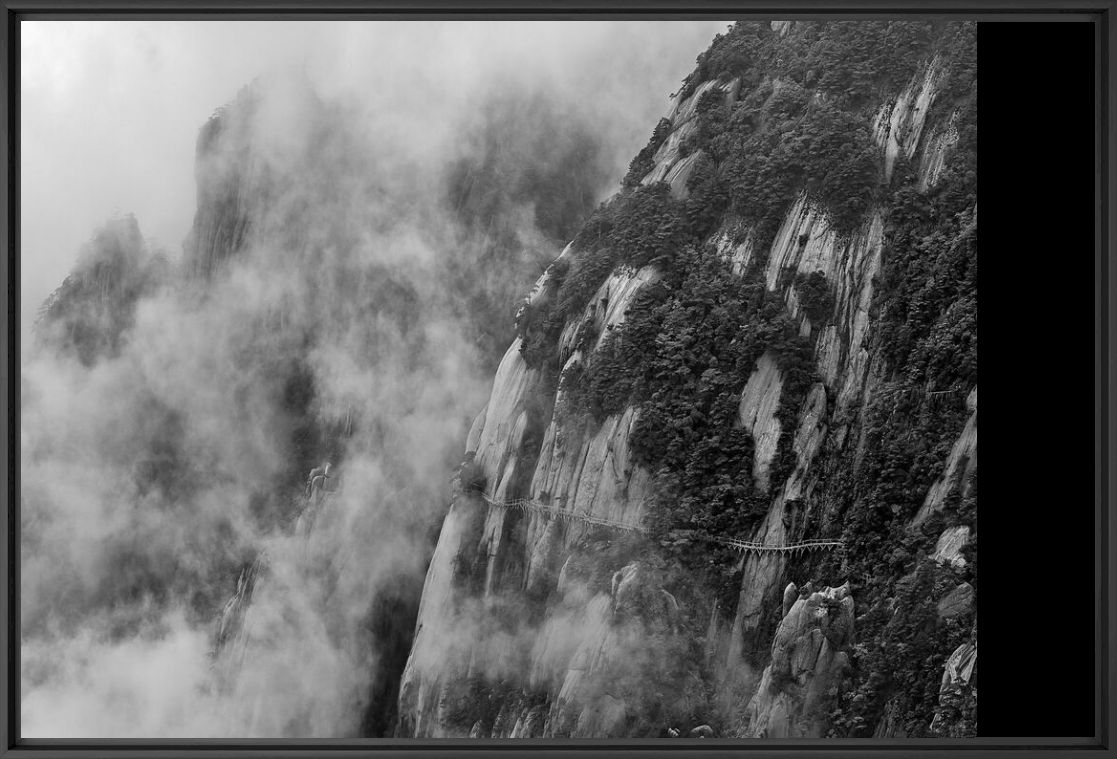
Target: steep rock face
x,y
242,175
809,660
959,685
670,165
759,401
591,628
899,123
596,478
783,523
833,377
232,627
939,144
680,174
846,351
948,549
808,243
957,475
228,179
735,244
606,309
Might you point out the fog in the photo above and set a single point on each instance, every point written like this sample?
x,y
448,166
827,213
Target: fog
x,y
109,111
366,207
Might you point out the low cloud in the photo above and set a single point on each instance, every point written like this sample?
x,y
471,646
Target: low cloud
x,y
154,473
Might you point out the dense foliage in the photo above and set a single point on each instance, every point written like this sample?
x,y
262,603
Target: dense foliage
x,y
853,62
792,143
640,228
642,163
691,338
815,296
925,312
807,102
914,640
688,344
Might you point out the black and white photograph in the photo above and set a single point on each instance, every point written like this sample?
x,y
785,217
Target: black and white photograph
x,y
499,379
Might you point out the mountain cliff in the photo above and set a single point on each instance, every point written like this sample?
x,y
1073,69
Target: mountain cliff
x,y
501,203
337,300
90,313
725,480
768,335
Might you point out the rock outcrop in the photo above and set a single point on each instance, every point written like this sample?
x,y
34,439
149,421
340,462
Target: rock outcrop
x,y
91,312
231,629
759,402
899,123
959,684
948,549
532,625
809,659
670,165
597,623
957,474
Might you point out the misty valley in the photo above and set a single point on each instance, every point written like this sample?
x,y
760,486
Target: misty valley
x,y
466,427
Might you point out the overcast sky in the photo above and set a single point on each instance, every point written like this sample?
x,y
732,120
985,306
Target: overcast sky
x,y
110,110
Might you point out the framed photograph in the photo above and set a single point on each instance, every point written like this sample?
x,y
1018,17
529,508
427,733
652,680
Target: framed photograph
x,y
406,379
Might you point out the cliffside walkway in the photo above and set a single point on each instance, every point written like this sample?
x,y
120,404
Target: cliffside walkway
x,y
744,546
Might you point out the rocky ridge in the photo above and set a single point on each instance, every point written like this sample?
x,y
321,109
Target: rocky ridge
x,y
523,445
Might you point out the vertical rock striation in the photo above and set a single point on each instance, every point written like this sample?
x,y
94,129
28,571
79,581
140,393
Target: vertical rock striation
x,y
837,338
809,660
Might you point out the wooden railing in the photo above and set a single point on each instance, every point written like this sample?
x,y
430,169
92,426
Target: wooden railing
x,y
744,546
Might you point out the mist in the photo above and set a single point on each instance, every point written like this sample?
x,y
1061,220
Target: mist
x,y
322,273
109,111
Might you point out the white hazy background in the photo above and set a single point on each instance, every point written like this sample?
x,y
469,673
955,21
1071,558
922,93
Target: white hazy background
x,y
110,113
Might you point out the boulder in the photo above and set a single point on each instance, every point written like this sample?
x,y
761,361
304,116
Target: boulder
x,y
636,595
948,550
790,595
959,668
959,680
809,660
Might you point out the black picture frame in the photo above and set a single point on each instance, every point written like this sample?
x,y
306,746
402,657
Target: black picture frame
x,y
1099,13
